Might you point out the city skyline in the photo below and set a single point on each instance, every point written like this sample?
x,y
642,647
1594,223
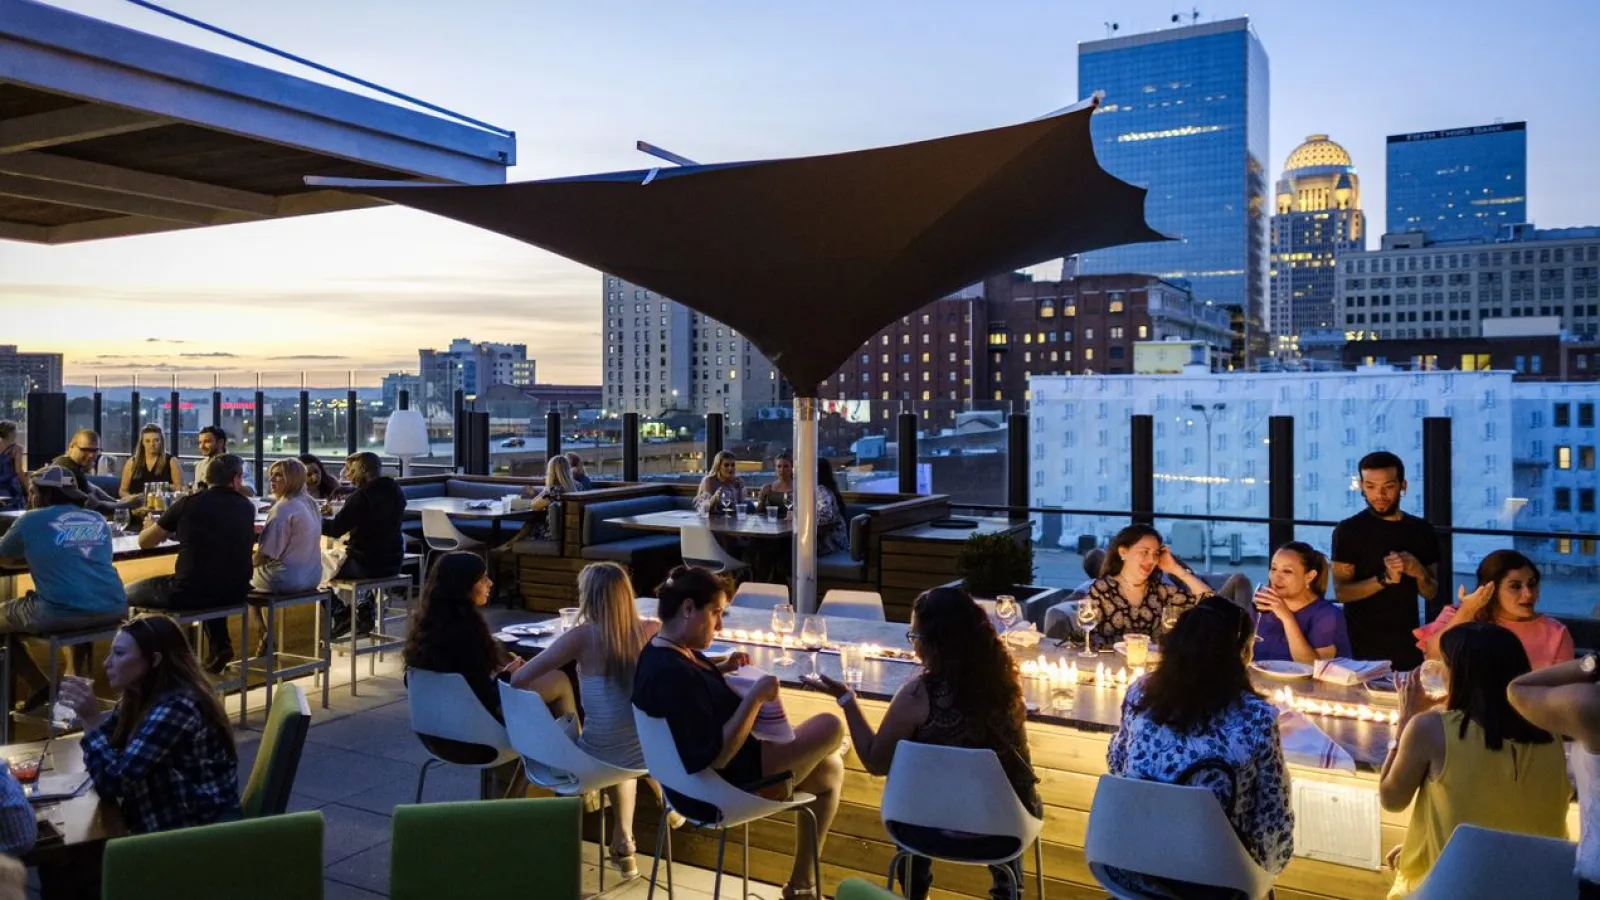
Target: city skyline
x,y
365,290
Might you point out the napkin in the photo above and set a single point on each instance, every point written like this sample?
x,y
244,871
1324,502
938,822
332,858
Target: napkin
x,y
772,722
1349,671
1307,745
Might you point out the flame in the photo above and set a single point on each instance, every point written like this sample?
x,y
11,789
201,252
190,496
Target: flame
x,y
1289,699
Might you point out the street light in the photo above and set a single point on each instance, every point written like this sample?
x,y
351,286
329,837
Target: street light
x,y
1206,413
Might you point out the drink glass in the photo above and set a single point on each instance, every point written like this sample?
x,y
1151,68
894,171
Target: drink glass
x,y
120,518
1007,611
788,503
853,660
1435,679
569,618
1062,699
1138,649
813,637
783,624
772,513
1088,618
25,766
727,503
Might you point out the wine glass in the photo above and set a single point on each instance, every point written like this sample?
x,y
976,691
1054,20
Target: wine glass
x,y
1169,618
1435,679
727,502
1007,611
120,518
1088,618
783,624
788,503
813,637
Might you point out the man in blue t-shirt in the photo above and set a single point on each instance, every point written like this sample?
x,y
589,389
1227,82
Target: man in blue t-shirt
x,y
67,550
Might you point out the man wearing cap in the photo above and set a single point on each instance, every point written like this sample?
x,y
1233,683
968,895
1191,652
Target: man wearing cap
x,y
216,532
67,550
77,461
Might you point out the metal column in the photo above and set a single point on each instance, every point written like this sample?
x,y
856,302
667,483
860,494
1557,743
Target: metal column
x,y
261,450
805,504
135,422
714,437
352,423
906,463
1280,480
1017,466
304,432
1438,503
630,447
552,435
1143,452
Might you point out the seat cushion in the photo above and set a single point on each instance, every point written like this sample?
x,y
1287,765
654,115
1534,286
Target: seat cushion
x,y
479,490
595,529
424,491
841,566
626,550
860,525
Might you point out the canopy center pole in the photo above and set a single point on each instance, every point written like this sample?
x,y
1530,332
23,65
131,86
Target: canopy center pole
x,y
805,504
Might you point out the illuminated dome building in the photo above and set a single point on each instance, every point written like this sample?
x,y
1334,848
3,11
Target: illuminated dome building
x,y
1318,216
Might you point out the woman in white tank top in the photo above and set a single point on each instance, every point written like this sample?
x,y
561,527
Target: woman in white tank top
x,y
1565,700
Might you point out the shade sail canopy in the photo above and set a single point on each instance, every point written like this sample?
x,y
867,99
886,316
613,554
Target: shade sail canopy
x,y
809,257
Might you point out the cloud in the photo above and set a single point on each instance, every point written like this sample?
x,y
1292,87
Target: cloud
x,y
163,341
215,353
307,356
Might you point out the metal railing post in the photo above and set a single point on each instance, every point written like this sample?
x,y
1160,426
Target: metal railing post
x,y
552,435
1017,466
713,437
630,446
1438,503
261,439
906,461
1142,447
135,422
303,433
1280,480
352,423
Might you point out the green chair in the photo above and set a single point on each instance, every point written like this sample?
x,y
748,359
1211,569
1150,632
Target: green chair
x,y
856,889
255,859
282,740
487,848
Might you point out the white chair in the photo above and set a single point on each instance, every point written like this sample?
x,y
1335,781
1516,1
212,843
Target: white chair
x,y
442,535
921,792
1481,864
760,595
734,807
552,761
866,605
443,706
700,548
1135,825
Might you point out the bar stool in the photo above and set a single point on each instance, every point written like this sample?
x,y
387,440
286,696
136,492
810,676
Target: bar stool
x,y
194,619
350,590
297,664
16,642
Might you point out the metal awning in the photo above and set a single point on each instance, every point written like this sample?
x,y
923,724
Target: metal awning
x,y
106,131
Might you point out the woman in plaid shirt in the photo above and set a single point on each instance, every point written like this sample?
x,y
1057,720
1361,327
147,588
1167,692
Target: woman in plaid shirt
x,y
166,753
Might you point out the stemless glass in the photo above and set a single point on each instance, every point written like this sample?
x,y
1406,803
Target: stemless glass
x,y
1007,611
120,518
783,624
1088,618
813,637
1169,618
1435,679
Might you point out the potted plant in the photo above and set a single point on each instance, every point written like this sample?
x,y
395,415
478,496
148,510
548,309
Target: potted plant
x,y
995,564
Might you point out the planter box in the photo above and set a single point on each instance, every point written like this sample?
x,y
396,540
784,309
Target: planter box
x,y
1034,600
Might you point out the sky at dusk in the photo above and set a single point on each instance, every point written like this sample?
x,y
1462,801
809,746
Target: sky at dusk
x,y
581,81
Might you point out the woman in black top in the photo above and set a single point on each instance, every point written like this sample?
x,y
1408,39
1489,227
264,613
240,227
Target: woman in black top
x,y
711,723
151,465
969,694
320,483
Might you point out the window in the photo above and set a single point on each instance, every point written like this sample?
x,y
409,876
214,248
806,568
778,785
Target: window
x,y
1586,500
1563,499
1585,415
1564,458
1563,415
1586,458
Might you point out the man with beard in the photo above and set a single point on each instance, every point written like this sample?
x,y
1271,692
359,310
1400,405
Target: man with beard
x,y
1383,559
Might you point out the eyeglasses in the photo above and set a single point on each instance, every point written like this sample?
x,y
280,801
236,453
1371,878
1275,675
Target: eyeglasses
x,y
86,449
912,637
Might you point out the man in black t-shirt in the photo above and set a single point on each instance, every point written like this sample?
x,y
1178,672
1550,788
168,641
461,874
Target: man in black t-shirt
x,y
81,455
1383,559
372,517
215,531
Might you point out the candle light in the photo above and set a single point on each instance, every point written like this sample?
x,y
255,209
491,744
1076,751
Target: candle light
x,y
1360,712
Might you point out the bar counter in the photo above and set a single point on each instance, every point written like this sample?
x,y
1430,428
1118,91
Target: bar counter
x,y
1069,755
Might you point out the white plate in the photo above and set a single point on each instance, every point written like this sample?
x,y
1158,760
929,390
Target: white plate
x,y
1282,669
535,629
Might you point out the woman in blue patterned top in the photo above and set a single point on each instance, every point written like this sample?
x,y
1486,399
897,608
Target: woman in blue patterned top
x,y
166,753
1196,720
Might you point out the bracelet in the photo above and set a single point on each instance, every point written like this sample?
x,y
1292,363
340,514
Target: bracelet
x,y
1394,745
847,699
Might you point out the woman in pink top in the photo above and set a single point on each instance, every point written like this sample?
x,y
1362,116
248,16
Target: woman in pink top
x,y
1508,596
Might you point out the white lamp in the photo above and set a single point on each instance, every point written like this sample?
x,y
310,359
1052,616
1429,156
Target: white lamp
x,y
406,436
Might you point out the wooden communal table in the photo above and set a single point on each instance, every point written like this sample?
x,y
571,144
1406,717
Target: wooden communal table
x,y
70,868
1068,746
745,524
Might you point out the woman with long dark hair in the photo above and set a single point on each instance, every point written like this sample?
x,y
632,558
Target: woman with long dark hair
x,y
1131,592
1294,619
449,634
1507,595
165,754
968,694
321,485
1476,762
1197,720
150,464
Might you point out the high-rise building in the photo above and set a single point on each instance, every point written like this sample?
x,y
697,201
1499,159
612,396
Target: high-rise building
x,y
1318,218
22,373
1020,327
394,383
662,357
1185,115
1415,288
471,368
1458,184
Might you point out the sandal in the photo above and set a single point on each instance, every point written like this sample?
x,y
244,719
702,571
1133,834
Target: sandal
x,y
625,862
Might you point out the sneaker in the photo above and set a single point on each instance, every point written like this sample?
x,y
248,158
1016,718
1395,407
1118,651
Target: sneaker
x,y
35,701
218,661
366,615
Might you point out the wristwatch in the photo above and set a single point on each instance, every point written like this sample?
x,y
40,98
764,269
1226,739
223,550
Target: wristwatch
x,y
1383,577
849,697
1589,666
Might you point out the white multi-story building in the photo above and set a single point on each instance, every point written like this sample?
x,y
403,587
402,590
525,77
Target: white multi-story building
x,y
662,357
1081,455
1554,445
472,368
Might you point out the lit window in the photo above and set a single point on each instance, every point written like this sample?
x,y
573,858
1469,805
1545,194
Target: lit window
x,y
1563,457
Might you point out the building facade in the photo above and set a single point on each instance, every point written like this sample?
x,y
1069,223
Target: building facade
x,y
1458,184
1549,356
471,368
1318,219
978,350
1185,114
394,383
24,373
1415,288
663,358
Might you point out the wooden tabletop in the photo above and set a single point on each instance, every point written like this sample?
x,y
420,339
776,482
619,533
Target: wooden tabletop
x,y
743,525
456,507
83,821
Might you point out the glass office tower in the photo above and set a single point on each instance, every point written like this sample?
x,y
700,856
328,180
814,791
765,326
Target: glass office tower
x,y
1185,115
1458,184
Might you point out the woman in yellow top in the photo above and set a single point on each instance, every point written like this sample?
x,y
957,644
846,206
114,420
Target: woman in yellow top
x,y
1475,762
